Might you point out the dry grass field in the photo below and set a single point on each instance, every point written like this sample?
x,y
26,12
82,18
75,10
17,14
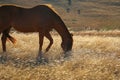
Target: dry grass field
x,y
93,58
95,54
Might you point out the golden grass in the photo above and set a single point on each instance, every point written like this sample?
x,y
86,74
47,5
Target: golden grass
x,y
112,33
93,58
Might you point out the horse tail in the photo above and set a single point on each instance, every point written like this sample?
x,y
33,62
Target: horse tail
x,y
13,40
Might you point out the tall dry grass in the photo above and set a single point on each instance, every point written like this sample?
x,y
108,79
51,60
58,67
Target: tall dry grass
x,y
93,58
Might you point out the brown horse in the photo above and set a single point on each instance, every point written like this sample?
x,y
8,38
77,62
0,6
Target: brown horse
x,y
40,19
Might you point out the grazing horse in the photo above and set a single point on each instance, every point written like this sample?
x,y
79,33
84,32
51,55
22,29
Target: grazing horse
x,y
41,18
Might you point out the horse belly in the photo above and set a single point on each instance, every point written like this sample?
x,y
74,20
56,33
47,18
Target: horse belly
x,y
25,27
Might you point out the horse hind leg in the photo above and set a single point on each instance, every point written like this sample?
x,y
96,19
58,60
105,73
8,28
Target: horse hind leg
x,y
13,40
3,39
3,58
48,36
5,33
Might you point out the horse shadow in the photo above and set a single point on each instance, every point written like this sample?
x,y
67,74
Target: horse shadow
x,y
29,62
19,62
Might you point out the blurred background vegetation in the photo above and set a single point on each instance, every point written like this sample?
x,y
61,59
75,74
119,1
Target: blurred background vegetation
x,y
81,14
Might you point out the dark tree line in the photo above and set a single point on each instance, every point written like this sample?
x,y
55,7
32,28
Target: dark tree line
x,y
68,9
69,2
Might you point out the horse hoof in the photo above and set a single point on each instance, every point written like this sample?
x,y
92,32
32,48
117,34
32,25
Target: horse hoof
x,y
67,54
42,60
3,59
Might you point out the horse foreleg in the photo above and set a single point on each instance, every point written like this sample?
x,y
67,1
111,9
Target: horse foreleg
x,y
41,38
3,39
48,36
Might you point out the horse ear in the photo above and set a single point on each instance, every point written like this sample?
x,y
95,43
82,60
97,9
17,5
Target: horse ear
x,y
71,34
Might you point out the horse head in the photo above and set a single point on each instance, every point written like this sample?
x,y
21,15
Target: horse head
x,y
67,44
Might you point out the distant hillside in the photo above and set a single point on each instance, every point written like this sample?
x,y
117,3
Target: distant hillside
x,y
94,14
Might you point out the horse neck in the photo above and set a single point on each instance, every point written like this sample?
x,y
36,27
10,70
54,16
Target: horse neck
x,y
63,31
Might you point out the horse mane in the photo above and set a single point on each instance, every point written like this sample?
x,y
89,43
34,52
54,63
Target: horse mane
x,y
49,6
